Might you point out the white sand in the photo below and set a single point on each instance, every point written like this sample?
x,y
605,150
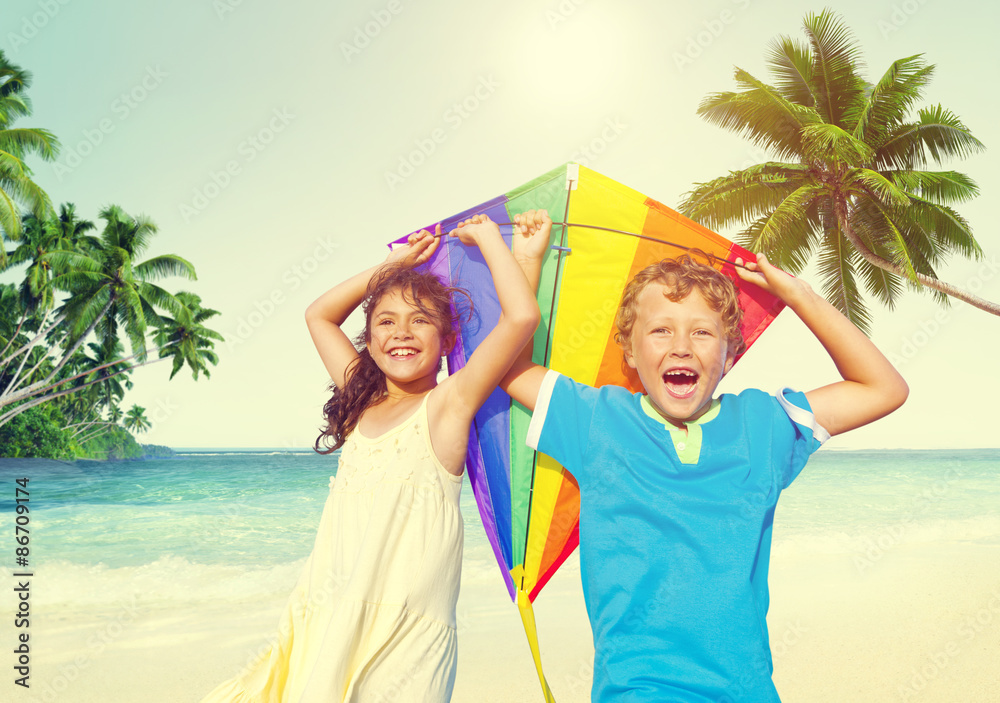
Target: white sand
x,y
920,624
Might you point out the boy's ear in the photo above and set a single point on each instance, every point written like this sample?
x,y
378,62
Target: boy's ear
x,y
730,360
629,358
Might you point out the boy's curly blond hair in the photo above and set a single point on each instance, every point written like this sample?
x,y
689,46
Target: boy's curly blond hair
x,y
681,275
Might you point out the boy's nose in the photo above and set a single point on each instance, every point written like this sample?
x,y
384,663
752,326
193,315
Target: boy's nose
x,y
681,347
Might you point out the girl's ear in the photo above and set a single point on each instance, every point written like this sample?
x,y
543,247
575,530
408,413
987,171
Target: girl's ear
x,y
449,343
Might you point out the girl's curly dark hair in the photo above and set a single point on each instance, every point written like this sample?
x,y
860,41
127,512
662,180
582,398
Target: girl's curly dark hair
x,y
365,384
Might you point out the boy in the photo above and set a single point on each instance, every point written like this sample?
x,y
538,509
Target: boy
x,y
678,489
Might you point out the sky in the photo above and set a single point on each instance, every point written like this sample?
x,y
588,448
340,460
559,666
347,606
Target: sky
x,y
279,146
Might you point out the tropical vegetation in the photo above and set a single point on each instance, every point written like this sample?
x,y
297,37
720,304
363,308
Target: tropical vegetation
x,y
16,186
89,309
850,184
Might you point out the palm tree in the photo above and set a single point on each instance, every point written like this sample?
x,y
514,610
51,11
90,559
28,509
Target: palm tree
x,y
16,186
186,339
136,420
111,374
110,292
109,287
62,232
852,186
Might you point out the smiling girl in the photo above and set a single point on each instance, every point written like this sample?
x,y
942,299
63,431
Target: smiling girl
x,y
372,617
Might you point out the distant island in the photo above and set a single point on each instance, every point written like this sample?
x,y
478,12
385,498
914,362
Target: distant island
x,y
119,445
34,435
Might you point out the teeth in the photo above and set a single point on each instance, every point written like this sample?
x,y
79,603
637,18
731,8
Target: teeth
x,y
402,352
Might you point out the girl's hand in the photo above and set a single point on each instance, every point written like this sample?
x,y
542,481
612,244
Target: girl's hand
x,y
531,235
419,247
772,279
472,230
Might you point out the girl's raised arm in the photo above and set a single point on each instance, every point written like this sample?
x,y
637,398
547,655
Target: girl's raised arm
x,y
327,313
469,388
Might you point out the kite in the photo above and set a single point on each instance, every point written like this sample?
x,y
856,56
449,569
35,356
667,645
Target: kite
x,y
528,503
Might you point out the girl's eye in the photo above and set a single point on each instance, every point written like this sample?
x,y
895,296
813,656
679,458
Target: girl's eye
x,y
385,321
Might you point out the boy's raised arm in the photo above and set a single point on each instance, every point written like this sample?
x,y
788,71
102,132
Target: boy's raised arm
x,y
531,242
872,388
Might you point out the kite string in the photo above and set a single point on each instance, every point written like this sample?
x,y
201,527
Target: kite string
x,y
560,248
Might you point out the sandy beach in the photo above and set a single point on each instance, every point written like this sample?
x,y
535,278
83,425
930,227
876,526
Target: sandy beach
x,y
919,623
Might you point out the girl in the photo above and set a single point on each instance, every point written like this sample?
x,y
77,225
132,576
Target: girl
x,y
372,617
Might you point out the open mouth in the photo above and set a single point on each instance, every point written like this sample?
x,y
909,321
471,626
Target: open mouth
x,y
402,352
680,383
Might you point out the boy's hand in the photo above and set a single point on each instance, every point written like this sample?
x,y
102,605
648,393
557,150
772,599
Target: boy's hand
x,y
772,279
472,230
531,235
419,247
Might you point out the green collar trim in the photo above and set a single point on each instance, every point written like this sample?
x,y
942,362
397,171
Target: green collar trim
x,y
686,444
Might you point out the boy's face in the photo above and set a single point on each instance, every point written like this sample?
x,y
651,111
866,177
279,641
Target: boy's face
x,y
679,351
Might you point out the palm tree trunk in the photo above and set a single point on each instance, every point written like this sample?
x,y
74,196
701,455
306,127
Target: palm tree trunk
x,y
38,401
34,387
42,333
24,316
934,283
16,380
95,433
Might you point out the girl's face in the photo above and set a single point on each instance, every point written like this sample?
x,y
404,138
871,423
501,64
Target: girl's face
x,y
405,343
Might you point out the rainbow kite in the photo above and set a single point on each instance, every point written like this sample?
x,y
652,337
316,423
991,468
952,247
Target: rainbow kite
x,y
528,503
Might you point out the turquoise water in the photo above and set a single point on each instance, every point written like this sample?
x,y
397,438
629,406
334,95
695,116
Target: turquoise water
x,y
237,524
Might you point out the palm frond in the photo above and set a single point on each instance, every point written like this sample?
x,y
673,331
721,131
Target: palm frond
x,y
836,59
890,99
790,217
792,65
760,113
29,194
159,297
938,134
165,265
21,141
949,231
878,186
936,186
835,265
790,254
743,195
830,144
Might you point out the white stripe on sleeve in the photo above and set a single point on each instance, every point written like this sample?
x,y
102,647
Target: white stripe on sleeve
x,y
541,408
802,417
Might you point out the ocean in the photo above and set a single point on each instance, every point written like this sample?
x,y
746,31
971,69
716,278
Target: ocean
x,y
232,525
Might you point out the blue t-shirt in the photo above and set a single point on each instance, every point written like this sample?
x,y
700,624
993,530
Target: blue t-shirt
x,y
675,539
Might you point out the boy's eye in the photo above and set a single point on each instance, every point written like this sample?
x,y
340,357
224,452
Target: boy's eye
x,y
703,333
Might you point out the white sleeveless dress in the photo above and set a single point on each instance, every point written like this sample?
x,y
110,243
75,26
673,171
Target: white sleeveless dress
x,y
372,617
